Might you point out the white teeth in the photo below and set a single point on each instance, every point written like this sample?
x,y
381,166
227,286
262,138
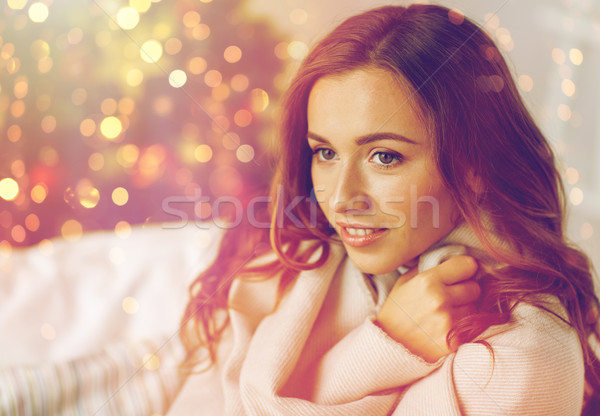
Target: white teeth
x,y
361,231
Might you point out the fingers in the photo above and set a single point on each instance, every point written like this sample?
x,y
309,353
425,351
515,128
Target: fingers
x,y
456,269
463,293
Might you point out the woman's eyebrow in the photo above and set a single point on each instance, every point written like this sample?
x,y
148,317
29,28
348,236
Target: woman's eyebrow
x,y
367,138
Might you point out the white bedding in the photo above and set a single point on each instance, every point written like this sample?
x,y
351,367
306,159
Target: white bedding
x,y
67,344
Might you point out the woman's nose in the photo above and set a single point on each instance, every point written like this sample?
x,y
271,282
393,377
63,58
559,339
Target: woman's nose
x,y
349,195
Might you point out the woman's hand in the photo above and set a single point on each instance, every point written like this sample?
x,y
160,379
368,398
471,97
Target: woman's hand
x,y
422,308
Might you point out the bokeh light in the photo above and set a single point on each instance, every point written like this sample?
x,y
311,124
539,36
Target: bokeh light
x,y
38,12
151,51
128,18
9,189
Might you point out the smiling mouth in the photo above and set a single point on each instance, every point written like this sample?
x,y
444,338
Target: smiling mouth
x,y
362,231
360,237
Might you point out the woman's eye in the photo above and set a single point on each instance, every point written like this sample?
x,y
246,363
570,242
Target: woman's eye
x,y
325,154
386,158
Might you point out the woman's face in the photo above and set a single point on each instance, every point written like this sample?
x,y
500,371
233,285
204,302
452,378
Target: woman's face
x,y
373,172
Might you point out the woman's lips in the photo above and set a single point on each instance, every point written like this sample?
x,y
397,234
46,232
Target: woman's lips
x,y
360,236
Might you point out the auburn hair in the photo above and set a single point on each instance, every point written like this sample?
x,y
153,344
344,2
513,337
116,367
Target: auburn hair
x,y
490,153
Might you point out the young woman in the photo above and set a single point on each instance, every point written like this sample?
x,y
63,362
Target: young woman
x,y
416,261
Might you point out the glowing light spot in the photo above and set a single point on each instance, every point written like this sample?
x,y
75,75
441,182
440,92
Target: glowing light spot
x,y
111,127
221,92
197,65
456,16
231,141
151,362
38,12
123,229
17,108
242,118
586,231
201,32
18,233
120,196
13,133
213,78
191,19
245,153
576,196
239,82
32,222
39,193
298,16
525,83
297,49
260,100
18,168
558,56
48,332
75,35
87,127
45,65
9,189
116,255
21,87
7,51
141,6
126,105
48,124
173,46
576,56
108,106
130,305
281,50
39,49
203,153
568,87
572,176
128,18
79,96
162,30
505,39
177,78
16,4
162,105
71,230
134,77
492,21
564,112
151,51
87,194
127,155
232,54
96,161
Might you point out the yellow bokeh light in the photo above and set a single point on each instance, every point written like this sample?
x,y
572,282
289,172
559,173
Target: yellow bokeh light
x,y
21,87
18,233
48,124
39,193
123,229
130,305
162,30
203,153
111,127
232,54
245,153
128,18
558,56
576,196
298,16
71,230
586,231
13,133
281,50
576,56
492,21
177,78
127,155
87,127
297,49
141,6
572,176
151,362
32,222
17,108
108,106
231,141
16,4
260,100
173,46
568,87
564,112
191,19
151,51
126,105
38,12
9,189
96,161
17,168
39,49
526,83
201,32
197,65
45,65
213,78
221,92
242,118
120,196
87,194
134,77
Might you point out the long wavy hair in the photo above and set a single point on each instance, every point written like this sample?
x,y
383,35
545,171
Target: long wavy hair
x,y
490,153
